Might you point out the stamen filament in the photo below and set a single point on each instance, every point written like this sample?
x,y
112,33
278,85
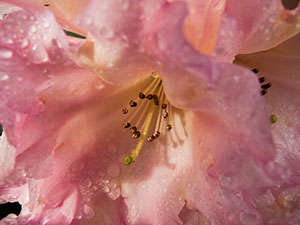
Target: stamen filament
x,y
136,151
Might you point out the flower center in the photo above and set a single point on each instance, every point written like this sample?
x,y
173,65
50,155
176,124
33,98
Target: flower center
x,y
148,116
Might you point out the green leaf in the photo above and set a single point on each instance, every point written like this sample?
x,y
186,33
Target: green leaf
x,y
72,34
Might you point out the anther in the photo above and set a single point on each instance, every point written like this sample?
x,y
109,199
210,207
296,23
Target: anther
x,y
164,106
126,124
266,86
156,101
165,114
169,127
255,70
261,79
149,96
263,92
142,95
132,103
149,139
133,130
136,134
125,111
157,133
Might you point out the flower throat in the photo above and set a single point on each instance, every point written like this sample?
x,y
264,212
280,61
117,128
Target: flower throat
x,y
148,116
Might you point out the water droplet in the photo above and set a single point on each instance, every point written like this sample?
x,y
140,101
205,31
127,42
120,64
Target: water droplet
x,y
88,211
106,189
7,40
101,174
31,18
46,24
34,47
134,211
32,29
5,53
113,171
24,43
3,76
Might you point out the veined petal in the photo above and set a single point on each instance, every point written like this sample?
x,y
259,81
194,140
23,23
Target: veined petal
x,y
251,26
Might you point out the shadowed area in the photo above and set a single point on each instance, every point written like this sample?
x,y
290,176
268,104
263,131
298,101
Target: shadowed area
x,y
10,208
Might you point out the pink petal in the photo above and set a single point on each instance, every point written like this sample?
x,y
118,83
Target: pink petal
x,y
115,54
280,67
251,26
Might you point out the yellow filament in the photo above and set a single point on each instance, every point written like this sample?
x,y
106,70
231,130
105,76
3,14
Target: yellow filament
x,y
136,151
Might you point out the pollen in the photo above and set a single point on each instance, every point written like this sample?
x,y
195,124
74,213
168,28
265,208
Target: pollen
x,y
149,116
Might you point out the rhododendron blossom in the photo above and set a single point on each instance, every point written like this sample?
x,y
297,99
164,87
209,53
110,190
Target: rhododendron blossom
x,y
157,112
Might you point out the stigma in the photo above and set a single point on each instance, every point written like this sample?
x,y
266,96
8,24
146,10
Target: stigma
x,y
148,116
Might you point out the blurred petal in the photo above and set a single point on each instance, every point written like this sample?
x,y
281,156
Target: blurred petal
x,y
280,66
201,26
266,26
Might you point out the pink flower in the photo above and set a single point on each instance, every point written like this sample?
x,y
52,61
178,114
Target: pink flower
x,y
217,159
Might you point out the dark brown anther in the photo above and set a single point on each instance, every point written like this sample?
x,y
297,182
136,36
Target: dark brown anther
x,y
142,95
165,114
164,106
290,4
149,139
126,124
255,70
133,129
169,127
46,4
132,103
266,86
157,133
149,96
156,102
125,111
136,135
261,79
263,92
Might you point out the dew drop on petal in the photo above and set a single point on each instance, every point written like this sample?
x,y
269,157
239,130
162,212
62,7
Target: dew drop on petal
x,y
88,211
106,189
7,40
3,76
5,53
24,43
32,29
113,171
134,211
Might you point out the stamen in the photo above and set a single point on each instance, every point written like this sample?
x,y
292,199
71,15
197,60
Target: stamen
x,y
125,111
266,86
261,79
147,115
169,127
132,103
126,124
255,70
141,95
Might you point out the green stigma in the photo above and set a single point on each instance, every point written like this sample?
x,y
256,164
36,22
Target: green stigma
x,y
273,118
128,160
